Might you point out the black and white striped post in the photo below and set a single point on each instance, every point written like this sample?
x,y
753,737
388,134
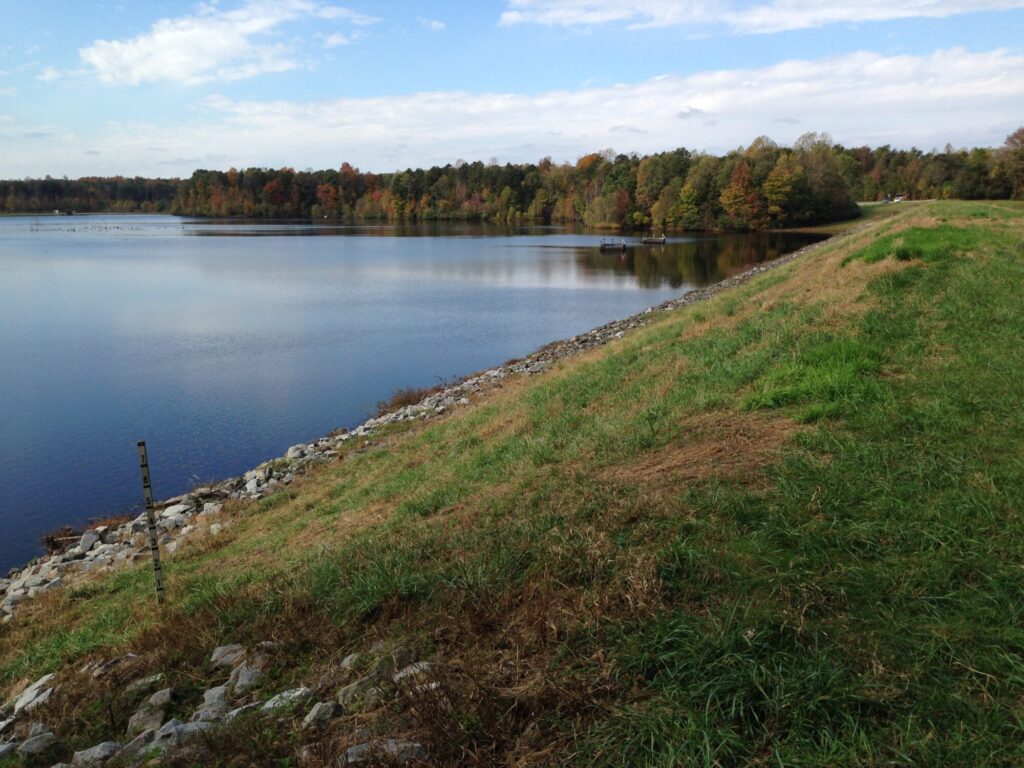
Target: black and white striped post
x,y
154,547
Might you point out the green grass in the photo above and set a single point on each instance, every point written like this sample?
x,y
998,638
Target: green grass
x,y
853,597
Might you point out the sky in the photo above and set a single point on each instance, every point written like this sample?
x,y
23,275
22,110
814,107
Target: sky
x,y
162,87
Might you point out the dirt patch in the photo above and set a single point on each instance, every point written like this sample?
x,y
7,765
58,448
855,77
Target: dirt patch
x,y
736,447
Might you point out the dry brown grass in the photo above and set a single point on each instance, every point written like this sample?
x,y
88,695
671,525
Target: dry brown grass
x,y
722,446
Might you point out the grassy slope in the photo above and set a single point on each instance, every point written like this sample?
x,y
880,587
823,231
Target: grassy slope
x,y
778,527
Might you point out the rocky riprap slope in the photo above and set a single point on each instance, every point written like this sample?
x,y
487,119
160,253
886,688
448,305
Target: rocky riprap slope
x,y
361,683
198,513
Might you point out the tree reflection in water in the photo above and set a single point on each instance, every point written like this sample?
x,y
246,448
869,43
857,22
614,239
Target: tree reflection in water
x,y
694,261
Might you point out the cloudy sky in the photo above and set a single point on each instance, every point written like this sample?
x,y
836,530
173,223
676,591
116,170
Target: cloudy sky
x,y
163,87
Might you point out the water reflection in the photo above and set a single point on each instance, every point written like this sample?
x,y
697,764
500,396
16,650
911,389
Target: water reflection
x,y
692,262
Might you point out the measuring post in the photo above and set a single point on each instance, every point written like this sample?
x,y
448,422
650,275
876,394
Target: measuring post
x,y
154,547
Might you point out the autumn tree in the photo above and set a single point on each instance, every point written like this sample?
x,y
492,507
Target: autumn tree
x,y
1011,158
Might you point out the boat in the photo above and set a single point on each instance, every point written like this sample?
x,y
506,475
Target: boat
x,y
654,240
612,245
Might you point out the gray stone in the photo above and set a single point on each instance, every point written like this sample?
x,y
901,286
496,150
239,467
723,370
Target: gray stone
x,y
350,661
296,452
227,655
8,748
89,539
215,529
215,704
400,752
97,755
212,508
37,745
252,486
238,712
34,695
175,510
356,691
145,683
161,698
38,729
412,672
295,697
174,732
151,714
138,745
321,714
244,678
146,719
6,725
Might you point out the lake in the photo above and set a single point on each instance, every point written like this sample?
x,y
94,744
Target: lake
x,y
223,343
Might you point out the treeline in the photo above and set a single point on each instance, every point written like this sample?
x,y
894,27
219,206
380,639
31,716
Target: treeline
x,y
89,195
757,187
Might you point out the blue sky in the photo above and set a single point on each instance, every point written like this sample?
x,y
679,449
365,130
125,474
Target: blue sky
x,y
161,88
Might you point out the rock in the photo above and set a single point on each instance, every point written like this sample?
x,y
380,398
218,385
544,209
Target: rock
x,y
252,486
238,712
350,661
296,452
145,683
400,752
38,729
321,714
6,725
286,700
151,714
161,698
243,678
8,748
145,720
97,755
356,691
212,508
215,704
174,732
34,695
227,655
89,539
411,672
175,510
37,745
138,745
215,529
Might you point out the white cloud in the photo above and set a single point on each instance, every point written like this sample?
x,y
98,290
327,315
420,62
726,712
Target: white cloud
x,y
48,74
432,24
741,16
954,96
212,44
337,39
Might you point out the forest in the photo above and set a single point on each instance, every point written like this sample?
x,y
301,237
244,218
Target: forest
x,y
758,187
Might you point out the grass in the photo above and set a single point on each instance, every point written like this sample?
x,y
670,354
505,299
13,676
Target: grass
x,y
781,527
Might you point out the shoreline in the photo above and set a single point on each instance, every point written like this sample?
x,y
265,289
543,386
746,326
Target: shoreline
x,y
197,512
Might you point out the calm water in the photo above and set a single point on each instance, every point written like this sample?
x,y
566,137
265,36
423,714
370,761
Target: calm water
x,y
222,343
